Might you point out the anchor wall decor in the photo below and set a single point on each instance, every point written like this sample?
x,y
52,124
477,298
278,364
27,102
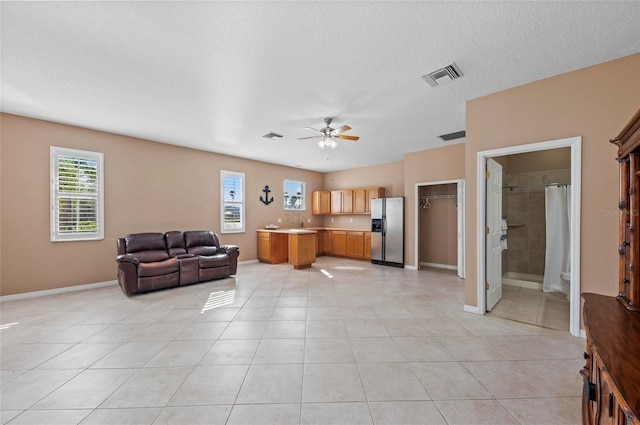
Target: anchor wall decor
x,y
266,191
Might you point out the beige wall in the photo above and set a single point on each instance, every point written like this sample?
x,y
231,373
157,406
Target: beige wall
x,y
149,187
595,103
389,175
428,166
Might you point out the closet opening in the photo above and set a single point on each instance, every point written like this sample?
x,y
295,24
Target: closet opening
x,y
440,225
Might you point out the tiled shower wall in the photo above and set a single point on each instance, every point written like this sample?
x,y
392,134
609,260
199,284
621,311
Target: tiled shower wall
x,y
525,212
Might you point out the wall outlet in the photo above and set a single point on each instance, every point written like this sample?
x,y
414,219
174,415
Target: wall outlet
x,y
308,220
332,219
350,220
279,220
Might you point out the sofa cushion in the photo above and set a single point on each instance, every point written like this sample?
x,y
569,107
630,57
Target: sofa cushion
x,y
158,268
145,242
201,242
210,261
175,243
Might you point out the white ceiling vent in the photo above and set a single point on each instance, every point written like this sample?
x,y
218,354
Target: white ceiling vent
x,y
443,75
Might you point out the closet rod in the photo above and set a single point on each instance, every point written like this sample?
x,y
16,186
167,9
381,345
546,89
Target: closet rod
x,y
533,186
439,196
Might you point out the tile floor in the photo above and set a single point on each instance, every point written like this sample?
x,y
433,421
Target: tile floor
x,y
548,309
345,342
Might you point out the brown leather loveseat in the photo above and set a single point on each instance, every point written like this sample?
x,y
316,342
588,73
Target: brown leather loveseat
x,y
150,261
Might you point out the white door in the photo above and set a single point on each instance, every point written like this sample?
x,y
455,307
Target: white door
x,y
493,233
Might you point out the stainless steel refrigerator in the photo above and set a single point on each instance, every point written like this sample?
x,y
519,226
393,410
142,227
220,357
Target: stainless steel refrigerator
x,y
387,231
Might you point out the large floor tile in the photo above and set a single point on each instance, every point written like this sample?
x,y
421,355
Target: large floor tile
x,y
331,383
210,385
391,382
255,414
136,416
405,413
130,355
475,412
275,351
272,384
557,411
193,415
181,353
57,417
148,388
232,351
368,350
30,387
449,381
335,414
328,350
87,390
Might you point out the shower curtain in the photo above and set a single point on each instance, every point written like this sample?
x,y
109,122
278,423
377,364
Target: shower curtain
x,y
557,257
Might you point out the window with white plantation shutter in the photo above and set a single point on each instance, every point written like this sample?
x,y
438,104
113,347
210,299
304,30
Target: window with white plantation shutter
x,y
231,202
77,200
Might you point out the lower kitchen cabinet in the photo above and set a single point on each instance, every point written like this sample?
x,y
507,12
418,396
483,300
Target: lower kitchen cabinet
x,y
355,244
273,247
338,242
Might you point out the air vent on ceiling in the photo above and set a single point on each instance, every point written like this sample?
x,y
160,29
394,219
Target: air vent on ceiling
x,y
443,75
273,136
453,136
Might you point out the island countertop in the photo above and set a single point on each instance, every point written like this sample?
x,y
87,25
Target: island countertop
x,y
288,231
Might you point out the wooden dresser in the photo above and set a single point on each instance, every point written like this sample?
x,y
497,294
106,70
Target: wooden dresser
x,y
611,393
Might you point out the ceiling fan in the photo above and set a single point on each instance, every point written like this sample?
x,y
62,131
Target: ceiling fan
x,y
328,135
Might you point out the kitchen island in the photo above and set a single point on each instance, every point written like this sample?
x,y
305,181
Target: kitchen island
x,y
298,246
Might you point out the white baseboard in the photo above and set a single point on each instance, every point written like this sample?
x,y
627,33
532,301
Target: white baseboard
x,y
583,334
248,261
55,291
410,267
472,309
439,266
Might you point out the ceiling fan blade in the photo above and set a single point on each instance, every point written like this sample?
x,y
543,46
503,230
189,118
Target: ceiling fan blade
x,y
309,128
310,137
342,136
340,130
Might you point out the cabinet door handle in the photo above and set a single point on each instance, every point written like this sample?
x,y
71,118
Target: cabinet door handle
x,y
585,355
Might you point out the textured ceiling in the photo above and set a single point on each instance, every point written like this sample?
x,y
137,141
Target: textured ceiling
x,y
216,76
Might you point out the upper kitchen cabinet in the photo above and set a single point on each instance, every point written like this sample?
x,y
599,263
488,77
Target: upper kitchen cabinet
x,y
349,201
341,201
321,202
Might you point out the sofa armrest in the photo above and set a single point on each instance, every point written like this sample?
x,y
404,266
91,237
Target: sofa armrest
x,y
230,250
127,258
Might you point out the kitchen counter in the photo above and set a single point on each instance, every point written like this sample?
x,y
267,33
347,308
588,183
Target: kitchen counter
x,y
289,231
298,246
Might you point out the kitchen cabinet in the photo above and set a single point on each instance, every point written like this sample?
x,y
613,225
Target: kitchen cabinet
x,y
367,245
348,201
355,244
321,202
338,242
302,249
341,201
321,236
362,199
273,247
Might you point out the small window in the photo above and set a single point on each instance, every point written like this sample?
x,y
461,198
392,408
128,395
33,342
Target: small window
x,y
294,195
77,195
232,190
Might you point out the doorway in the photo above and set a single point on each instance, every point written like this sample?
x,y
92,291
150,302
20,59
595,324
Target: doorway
x,y
525,259
439,223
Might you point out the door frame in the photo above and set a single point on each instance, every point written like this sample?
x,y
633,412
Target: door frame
x,y
460,191
575,143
